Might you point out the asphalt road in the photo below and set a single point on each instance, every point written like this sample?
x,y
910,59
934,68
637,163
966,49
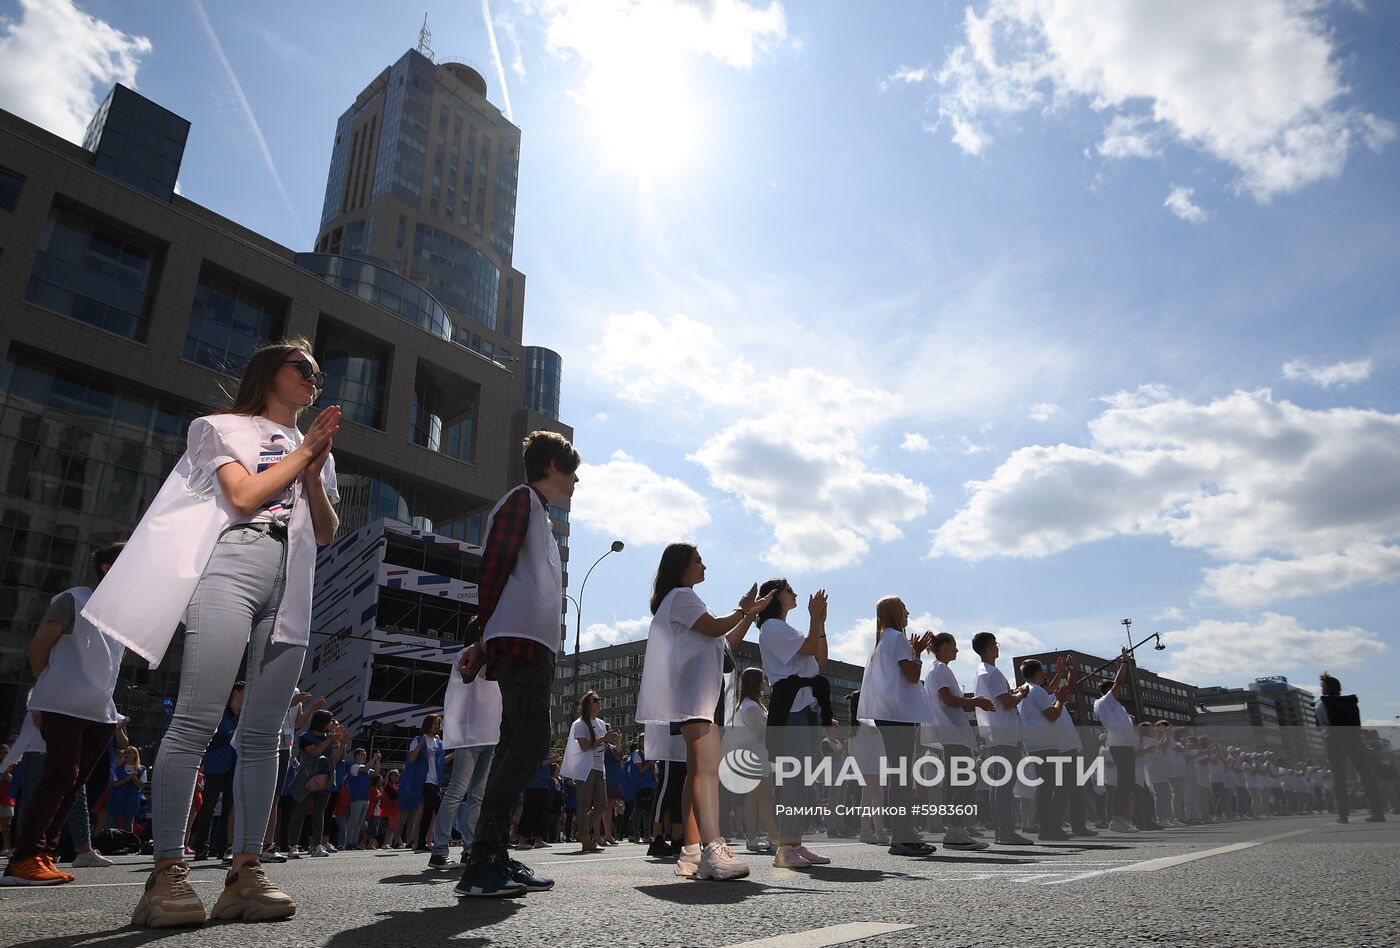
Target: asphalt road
x,y
1291,881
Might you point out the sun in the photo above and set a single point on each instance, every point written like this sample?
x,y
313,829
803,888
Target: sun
x,y
644,117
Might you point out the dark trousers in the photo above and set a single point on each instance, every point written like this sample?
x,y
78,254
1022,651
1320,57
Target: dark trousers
x,y
956,796
1004,797
525,697
432,799
1047,796
1343,746
1069,794
901,749
74,748
534,814
1120,804
798,738
210,833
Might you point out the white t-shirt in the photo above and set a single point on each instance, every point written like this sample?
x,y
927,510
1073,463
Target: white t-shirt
x,y
885,693
1172,760
951,724
1110,769
579,763
683,668
1068,734
1116,721
83,666
778,646
432,747
276,442
1037,730
1002,725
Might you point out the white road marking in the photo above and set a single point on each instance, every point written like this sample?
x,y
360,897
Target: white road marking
x,y
819,937
1166,862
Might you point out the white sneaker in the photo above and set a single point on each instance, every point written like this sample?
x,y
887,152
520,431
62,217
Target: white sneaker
x,y
1122,826
318,851
687,864
719,863
329,848
88,859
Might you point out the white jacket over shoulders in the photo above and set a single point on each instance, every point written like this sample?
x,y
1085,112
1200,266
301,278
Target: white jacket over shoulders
x,y
142,600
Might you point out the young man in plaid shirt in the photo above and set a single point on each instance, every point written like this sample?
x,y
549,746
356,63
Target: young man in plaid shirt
x,y
513,639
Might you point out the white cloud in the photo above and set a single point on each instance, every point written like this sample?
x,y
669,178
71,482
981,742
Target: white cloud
x,y
1256,84
908,75
968,446
628,500
60,63
1215,652
1180,203
1130,136
732,31
914,443
1339,373
795,455
1247,585
1043,411
1241,477
1169,614
599,634
601,417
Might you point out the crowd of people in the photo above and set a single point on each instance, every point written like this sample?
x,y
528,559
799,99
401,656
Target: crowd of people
x,y
253,770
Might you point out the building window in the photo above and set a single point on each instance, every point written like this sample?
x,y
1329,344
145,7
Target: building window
x,y
94,273
229,321
80,461
10,184
426,418
357,371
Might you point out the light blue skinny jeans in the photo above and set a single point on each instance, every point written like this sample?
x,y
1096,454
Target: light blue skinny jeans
x,y
232,610
461,801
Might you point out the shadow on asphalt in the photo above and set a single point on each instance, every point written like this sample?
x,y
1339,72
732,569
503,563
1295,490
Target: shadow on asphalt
x,y
429,926
1086,846
728,893
420,878
844,874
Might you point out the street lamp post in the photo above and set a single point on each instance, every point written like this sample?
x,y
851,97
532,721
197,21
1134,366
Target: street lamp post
x,y
1132,667
617,546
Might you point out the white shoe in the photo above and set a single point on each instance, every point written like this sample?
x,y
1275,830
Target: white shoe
x,y
719,863
687,864
88,859
318,851
329,848
1121,826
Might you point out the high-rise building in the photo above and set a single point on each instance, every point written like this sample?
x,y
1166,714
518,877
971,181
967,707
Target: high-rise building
x,y
129,310
1302,738
1240,717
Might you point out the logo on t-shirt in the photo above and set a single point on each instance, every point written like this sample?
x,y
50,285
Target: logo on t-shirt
x,y
271,452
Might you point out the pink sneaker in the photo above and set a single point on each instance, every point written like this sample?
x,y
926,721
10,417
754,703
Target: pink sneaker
x,y
790,857
816,859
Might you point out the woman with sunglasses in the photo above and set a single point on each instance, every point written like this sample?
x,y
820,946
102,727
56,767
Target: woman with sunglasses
x,y
228,547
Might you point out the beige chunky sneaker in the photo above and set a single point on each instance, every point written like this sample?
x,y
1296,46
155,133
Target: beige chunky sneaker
x,y
687,864
250,896
718,862
169,900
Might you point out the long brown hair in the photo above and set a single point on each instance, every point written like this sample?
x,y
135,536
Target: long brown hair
x,y
751,685
258,378
674,561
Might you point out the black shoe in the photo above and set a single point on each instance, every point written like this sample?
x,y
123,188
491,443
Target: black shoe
x,y
1015,839
1053,836
523,874
915,848
488,879
659,848
676,846
441,862
1376,818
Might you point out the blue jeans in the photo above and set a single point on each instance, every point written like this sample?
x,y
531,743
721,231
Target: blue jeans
x,y
461,802
232,611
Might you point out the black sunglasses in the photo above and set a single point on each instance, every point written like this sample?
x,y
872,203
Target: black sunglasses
x,y
307,372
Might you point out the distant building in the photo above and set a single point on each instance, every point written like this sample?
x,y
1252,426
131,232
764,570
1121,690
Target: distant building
x,y
1239,716
1302,738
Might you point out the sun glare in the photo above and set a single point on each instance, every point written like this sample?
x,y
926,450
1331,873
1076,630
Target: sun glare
x,y
644,115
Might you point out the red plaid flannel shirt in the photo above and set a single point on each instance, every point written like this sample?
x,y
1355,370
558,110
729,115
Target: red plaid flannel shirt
x,y
503,545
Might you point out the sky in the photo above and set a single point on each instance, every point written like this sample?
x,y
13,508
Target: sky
x,y
1038,314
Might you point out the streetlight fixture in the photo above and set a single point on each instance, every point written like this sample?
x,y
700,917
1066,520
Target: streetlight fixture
x,y
617,546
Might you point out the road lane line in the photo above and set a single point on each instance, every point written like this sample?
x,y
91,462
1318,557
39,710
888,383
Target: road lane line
x,y
1167,862
820,937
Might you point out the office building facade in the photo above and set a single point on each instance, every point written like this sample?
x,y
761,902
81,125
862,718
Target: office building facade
x,y
129,311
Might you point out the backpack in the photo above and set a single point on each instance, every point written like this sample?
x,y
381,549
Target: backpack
x,y
115,842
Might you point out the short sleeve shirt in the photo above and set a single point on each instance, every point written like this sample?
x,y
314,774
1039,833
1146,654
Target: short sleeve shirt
x,y
779,646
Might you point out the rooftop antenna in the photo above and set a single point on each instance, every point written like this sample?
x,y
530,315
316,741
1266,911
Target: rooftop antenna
x,y
425,40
